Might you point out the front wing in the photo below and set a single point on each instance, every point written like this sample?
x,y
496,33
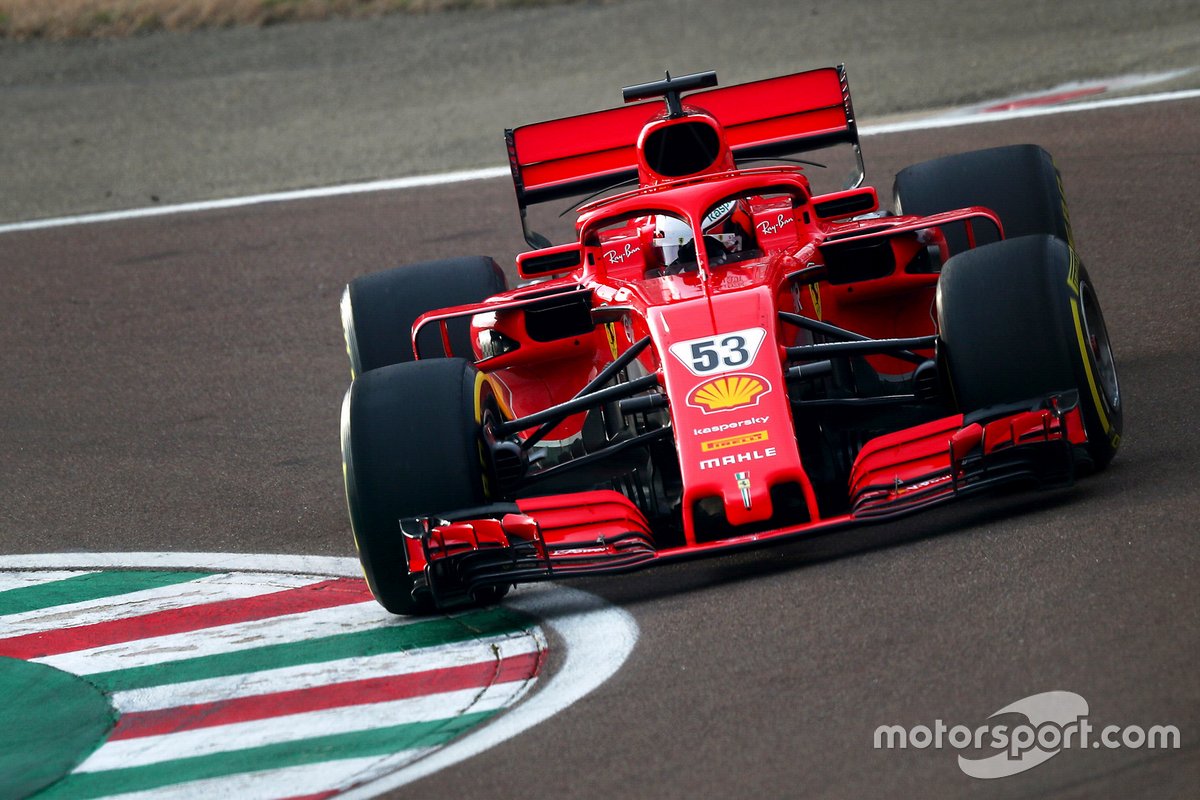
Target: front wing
x,y
583,533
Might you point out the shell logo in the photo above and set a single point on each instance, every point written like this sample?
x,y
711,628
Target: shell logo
x,y
728,392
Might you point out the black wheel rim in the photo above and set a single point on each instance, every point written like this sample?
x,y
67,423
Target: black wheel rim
x,y
1096,338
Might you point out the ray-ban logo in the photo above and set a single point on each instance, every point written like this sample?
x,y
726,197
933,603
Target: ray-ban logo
x,y
1024,734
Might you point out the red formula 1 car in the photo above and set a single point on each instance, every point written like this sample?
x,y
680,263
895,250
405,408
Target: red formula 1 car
x,y
721,357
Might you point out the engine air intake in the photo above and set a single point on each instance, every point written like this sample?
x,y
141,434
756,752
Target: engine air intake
x,y
685,148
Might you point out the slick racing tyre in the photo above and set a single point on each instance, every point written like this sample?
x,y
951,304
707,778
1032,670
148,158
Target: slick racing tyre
x,y
1019,319
1019,182
378,310
410,447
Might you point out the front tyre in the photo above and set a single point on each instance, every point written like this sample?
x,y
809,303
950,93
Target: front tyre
x,y
1018,182
378,310
1020,319
410,447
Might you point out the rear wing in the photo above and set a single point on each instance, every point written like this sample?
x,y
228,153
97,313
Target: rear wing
x,y
772,118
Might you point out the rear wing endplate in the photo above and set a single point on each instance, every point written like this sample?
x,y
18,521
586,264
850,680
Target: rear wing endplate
x,y
773,118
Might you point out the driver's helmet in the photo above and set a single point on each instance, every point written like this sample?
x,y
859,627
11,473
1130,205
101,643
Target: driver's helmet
x,y
673,236
670,234
719,225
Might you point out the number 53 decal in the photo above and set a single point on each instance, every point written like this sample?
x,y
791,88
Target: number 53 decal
x,y
723,352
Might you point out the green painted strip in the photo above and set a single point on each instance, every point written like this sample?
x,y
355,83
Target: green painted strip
x,y
357,744
50,721
91,586
445,630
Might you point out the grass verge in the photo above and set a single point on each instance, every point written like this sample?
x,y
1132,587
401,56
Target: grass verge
x,y
72,19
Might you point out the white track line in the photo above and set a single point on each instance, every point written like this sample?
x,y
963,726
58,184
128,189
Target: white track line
x,y
303,676
147,601
597,639
18,580
413,182
145,750
285,782
218,562
232,638
948,120
953,120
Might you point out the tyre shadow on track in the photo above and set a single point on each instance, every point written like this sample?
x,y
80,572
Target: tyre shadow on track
x,y
978,515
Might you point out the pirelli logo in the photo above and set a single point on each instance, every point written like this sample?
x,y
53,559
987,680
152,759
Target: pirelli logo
x,y
734,441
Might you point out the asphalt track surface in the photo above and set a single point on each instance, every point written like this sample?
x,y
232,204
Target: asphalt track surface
x,y
174,384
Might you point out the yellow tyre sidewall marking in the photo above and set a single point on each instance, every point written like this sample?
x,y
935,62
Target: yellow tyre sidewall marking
x,y
1087,367
1073,282
1062,200
480,381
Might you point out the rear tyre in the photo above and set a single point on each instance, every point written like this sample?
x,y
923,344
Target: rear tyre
x,y
1020,319
410,447
1019,182
378,310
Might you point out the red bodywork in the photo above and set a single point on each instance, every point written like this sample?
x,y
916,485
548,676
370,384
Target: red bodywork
x,y
722,362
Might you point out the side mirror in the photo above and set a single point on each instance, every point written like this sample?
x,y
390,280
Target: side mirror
x,y
549,261
849,203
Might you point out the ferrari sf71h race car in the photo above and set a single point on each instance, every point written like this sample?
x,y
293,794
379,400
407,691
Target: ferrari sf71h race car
x,y
720,358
